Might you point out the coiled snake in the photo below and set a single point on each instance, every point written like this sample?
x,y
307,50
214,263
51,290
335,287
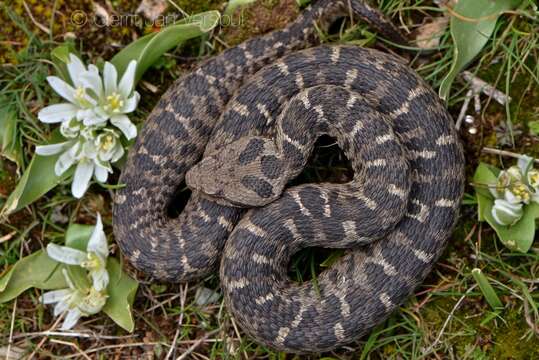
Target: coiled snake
x,y
253,114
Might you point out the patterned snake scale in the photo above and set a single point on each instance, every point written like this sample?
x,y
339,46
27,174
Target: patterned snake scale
x,y
252,114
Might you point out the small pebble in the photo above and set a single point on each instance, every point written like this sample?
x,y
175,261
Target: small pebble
x,y
472,130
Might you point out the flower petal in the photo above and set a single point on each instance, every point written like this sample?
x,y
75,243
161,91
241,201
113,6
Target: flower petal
x,y
65,254
93,118
57,113
524,163
71,319
506,213
110,78
81,180
127,82
100,279
101,173
92,81
66,160
131,103
52,149
118,153
123,123
61,307
62,88
98,240
55,296
75,68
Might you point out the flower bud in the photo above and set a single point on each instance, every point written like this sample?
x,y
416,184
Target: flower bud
x,y
506,213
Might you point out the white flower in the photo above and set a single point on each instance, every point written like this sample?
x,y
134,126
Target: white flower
x,y
506,213
114,99
75,302
511,184
77,95
94,259
93,151
93,101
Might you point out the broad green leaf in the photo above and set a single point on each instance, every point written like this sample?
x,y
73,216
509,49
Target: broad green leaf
x,y
151,47
519,236
534,126
233,5
60,59
77,237
472,24
484,175
36,181
121,290
488,291
10,143
36,270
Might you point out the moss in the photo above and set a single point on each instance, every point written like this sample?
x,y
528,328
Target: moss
x,y
259,18
196,6
502,340
14,18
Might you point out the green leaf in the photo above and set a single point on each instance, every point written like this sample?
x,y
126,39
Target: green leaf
x,y
36,270
148,49
519,236
77,237
534,126
472,25
60,59
10,143
233,5
484,175
36,181
487,289
121,290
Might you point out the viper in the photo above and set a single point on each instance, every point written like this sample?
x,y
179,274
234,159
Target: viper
x,y
241,126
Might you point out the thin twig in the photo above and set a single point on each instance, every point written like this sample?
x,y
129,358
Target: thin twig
x,y
183,292
118,346
480,86
464,108
12,326
492,151
40,344
451,314
197,344
160,304
531,323
36,23
73,334
70,344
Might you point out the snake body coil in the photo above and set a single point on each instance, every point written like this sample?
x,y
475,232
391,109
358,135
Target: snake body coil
x,y
253,114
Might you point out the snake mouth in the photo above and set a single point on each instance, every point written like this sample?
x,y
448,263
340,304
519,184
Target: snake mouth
x,y
221,200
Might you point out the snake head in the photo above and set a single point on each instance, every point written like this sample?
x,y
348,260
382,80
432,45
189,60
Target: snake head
x,y
244,173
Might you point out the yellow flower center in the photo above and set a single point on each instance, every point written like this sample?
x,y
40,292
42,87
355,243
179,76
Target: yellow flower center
x,y
521,191
114,102
80,96
107,143
534,178
92,263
